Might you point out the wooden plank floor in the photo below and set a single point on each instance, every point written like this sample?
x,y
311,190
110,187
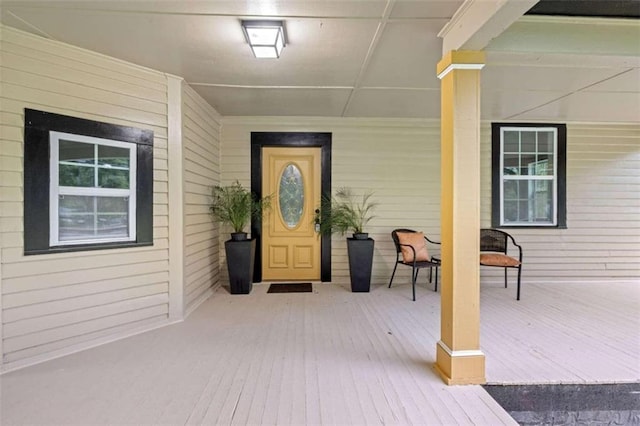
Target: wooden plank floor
x,y
331,357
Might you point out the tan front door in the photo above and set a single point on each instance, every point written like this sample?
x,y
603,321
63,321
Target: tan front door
x,y
290,244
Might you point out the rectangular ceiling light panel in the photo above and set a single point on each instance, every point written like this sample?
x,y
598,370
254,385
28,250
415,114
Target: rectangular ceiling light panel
x,y
265,37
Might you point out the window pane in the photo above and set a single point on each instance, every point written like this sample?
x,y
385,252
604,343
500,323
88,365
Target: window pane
x,y
511,141
113,204
516,189
545,142
528,141
511,164
69,175
89,217
510,189
113,217
542,167
510,211
113,156
75,220
113,226
532,167
516,201
113,178
528,201
291,195
542,201
76,152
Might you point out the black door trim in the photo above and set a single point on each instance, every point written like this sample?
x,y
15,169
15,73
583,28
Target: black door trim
x,y
291,139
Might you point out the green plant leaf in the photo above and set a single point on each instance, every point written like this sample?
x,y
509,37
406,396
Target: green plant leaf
x,y
346,212
235,206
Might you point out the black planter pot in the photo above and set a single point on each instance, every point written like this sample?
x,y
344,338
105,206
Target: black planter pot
x,y
360,262
238,236
240,260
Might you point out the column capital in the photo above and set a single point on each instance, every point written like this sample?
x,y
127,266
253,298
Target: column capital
x,y
460,59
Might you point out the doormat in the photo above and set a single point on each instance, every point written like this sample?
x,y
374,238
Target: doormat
x,y
290,288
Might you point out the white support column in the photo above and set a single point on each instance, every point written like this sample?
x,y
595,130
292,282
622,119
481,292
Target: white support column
x,y
176,198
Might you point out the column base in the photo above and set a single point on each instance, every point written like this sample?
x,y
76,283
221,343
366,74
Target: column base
x,y
460,367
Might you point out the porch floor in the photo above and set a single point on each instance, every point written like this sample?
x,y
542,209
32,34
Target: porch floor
x,y
333,357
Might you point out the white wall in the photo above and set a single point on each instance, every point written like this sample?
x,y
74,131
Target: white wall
x,y
201,161
602,239
57,303
397,159
400,161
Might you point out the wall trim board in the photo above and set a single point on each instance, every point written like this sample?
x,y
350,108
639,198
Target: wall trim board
x,y
176,197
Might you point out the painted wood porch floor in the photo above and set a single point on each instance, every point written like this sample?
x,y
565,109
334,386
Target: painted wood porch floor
x,y
332,357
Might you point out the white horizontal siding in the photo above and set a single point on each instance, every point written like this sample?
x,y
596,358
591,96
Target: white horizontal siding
x,y
602,239
54,303
201,161
400,161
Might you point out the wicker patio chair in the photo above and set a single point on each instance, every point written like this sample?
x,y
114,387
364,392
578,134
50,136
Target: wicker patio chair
x,y
493,252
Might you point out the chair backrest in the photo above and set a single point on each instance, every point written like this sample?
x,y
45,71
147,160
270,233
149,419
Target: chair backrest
x,y
394,236
493,240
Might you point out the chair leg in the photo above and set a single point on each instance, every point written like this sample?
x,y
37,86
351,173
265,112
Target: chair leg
x,y
519,274
393,274
414,277
436,287
430,274
505,277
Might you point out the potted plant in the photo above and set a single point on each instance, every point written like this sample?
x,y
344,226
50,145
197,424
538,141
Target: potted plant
x,y
346,212
235,206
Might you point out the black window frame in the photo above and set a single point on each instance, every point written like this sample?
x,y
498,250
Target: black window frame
x,y
561,176
37,126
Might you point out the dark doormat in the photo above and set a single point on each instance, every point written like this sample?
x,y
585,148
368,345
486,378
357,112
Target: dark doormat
x,y
589,404
290,288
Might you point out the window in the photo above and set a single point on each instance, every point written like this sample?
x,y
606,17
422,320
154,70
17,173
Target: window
x,y
90,193
528,179
88,185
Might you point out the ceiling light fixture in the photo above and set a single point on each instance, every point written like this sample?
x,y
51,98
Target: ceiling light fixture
x,y
265,37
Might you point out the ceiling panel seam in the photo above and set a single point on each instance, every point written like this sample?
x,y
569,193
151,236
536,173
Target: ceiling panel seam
x,y
30,25
570,93
372,47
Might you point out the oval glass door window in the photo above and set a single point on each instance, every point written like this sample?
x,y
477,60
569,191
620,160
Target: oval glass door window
x,y
291,195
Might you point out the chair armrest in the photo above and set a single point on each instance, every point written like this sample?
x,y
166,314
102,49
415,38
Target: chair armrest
x,y
432,242
513,241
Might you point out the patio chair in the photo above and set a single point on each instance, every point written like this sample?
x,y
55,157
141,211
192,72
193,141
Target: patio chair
x,y
411,250
493,252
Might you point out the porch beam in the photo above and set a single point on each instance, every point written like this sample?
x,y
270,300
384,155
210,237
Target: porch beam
x,y
458,356
476,23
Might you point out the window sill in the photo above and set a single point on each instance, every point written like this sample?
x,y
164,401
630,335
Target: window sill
x,y
87,247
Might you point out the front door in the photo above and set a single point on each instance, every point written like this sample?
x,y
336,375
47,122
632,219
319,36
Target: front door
x,y
290,243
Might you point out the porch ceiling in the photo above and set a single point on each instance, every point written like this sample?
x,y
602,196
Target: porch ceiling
x,y
373,58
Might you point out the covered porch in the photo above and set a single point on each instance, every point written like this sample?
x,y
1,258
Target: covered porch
x,y
334,357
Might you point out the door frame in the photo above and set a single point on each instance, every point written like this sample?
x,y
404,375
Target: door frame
x,y
291,140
